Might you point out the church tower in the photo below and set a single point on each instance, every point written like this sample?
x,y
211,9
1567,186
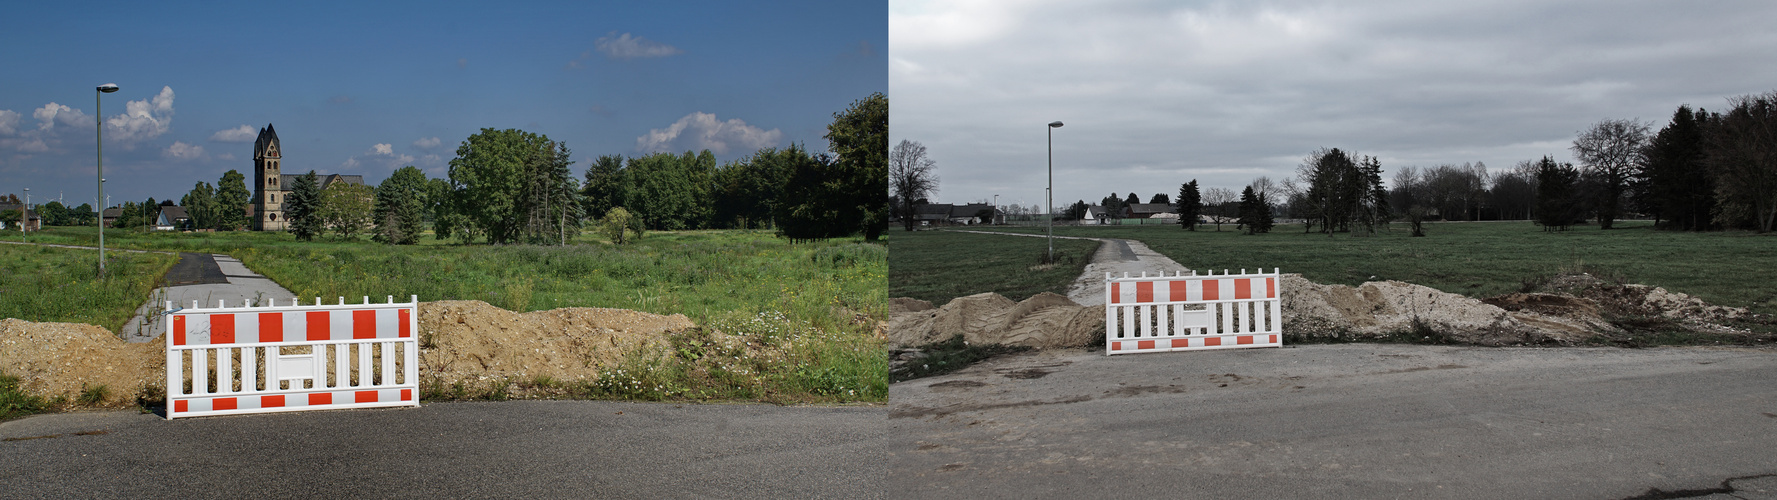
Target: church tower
x,y
268,194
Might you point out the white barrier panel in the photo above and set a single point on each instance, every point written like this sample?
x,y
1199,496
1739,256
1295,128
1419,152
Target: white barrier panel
x,y
226,361
1192,312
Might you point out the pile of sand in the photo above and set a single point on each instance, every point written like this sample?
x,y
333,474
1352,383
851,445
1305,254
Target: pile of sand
x,y
467,341
1045,320
64,359
473,342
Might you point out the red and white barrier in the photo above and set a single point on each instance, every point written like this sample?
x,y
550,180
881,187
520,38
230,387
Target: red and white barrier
x,y
1191,312
225,361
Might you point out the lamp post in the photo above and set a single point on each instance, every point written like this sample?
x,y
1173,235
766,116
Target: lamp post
x,y
1049,196
99,113
25,216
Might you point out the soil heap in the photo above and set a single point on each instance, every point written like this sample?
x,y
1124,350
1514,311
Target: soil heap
x,y
1045,320
55,360
472,342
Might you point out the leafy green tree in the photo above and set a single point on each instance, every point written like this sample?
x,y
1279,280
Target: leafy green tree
x,y
54,214
200,205
83,215
671,192
606,186
619,226
817,205
1131,200
400,207
302,207
346,208
506,185
858,137
1557,204
232,197
1190,205
440,206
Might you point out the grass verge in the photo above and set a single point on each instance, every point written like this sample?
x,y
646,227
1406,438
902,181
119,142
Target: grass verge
x,y
937,266
39,283
15,403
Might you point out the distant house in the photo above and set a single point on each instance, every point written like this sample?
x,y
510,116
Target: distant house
x,y
109,216
933,214
171,217
1148,210
972,214
1095,215
31,220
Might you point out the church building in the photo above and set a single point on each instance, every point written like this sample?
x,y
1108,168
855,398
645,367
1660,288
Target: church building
x,y
271,186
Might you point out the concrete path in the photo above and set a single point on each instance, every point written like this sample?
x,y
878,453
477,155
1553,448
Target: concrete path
x,y
1344,421
203,280
1115,256
512,449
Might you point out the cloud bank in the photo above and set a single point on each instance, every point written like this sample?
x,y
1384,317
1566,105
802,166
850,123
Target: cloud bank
x,y
698,131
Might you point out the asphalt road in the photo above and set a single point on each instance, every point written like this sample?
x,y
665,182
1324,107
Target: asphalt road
x,y
1343,421
514,449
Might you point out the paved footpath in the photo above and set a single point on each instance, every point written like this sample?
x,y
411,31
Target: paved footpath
x,y
513,449
1344,421
1115,256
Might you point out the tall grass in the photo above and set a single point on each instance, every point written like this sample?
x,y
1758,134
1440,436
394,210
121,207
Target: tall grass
x,y
40,283
937,266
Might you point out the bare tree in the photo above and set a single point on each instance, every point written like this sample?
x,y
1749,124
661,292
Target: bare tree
x,y
1611,152
1743,155
911,177
1220,205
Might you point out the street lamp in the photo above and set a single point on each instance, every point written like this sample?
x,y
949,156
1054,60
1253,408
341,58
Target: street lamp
x,y
25,216
1049,196
99,114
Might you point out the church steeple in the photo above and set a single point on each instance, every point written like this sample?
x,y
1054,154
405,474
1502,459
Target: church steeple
x,y
266,146
267,209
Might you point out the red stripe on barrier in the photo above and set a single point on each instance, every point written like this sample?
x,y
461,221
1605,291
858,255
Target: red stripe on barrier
x,y
1243,289
1209,341
405,314
271,401
1270,288
1145,344
1212,289
179,331
317,325
1177,343
181,406
1116,346
271,327
364,324
1243,339
321,398
1273,340
1180,290
364,397
1144,291
1116,293
219,404
221,328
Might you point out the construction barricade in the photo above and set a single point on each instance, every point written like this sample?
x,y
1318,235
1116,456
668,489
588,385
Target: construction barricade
x,y
234,360
1191,312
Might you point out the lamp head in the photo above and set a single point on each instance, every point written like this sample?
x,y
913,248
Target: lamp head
x,y
108,88
1055,124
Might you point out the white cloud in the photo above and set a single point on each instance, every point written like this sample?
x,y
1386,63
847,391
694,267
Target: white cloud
x,y
427,143
51,114
142,120
627,47
9,122
243,133
350,163
380,154
381,150
183,152
23,145
703,131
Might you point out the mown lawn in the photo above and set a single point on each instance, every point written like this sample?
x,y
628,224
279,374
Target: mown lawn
x,y
1480,259
937,266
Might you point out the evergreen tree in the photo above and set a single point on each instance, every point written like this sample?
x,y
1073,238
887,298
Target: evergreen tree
x,y
1677,184
1161,199
605,187
1131,200
1557,203
400,207
1190,205
1113,205
301,205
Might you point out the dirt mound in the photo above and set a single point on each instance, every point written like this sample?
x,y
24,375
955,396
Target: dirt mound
x,y
1044,320
472,342
63,359
1377,309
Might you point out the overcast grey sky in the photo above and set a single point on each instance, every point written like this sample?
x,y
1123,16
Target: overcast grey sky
x,y
1156,93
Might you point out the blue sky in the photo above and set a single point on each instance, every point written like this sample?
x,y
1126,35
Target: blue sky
x,y
368,87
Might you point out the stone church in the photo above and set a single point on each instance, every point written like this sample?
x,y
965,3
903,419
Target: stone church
x,y
271,186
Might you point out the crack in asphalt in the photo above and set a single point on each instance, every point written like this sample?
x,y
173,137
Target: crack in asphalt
x,y
1726,488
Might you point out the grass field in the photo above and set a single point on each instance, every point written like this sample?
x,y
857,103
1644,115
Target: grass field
x,y
937,266
62,285
1477,259
714,277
